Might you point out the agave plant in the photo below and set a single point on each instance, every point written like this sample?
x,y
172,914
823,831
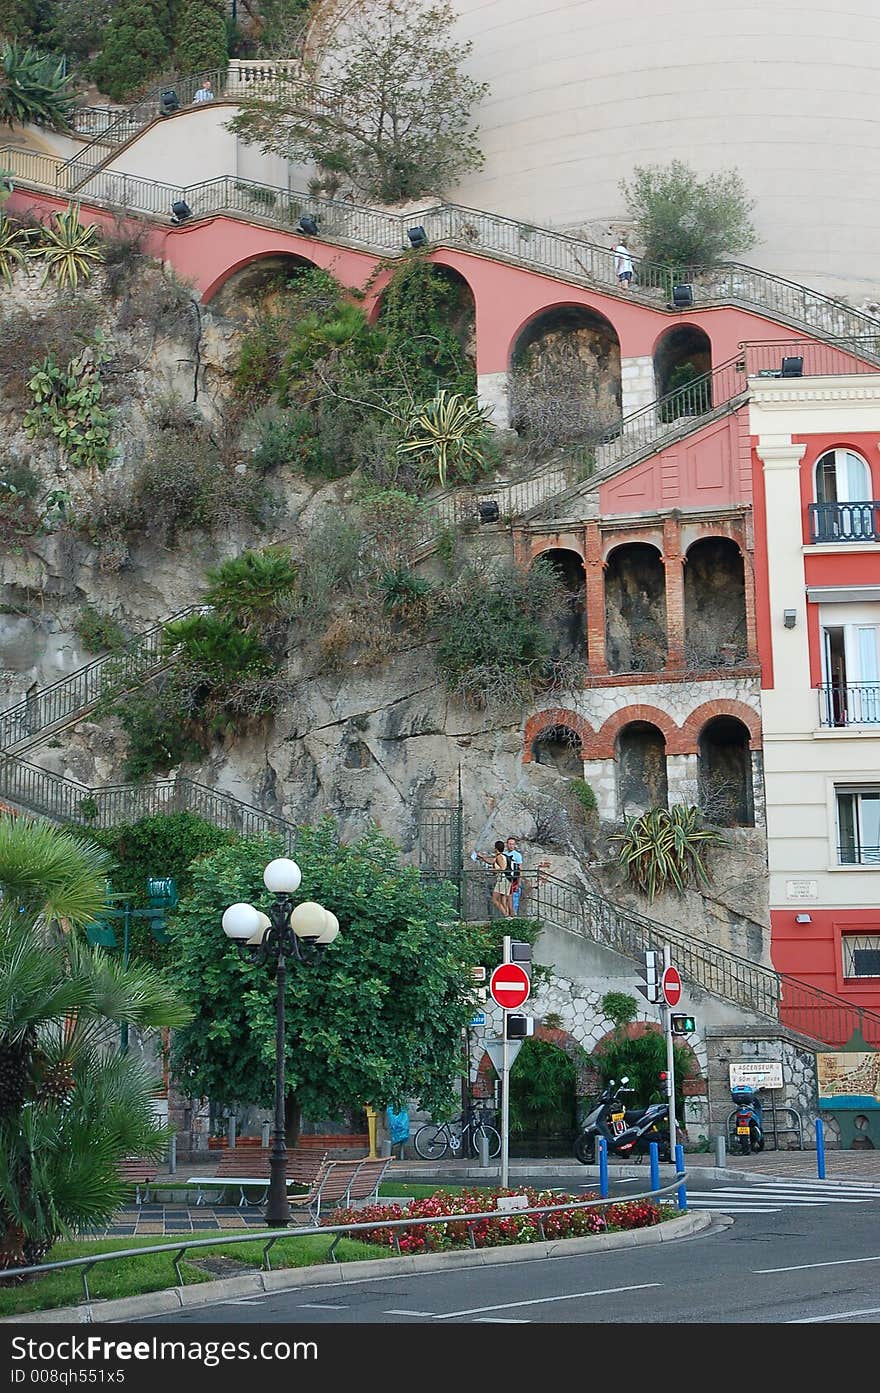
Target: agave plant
x,y
660,850
448,432
70,249
13,247
34,89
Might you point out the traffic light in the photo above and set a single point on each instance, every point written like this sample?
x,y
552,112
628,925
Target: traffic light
x,y
650,972
682,1025
515,951
518,1027
664,1081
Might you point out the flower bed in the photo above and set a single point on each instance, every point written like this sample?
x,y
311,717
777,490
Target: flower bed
x,y
509,1227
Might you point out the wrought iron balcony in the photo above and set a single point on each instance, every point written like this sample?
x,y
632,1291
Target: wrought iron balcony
x,y
849,704
850,854
845,522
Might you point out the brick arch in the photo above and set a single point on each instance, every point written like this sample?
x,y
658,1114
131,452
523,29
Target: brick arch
x,y
710,533
586,1076
692,728
607,735
558,716
541,545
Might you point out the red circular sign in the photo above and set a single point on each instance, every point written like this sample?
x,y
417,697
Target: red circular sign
x,y
670,985
510,986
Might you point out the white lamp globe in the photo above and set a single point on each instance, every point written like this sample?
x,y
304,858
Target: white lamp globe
x,y
282,876
309,920
240,921
331,929
265,923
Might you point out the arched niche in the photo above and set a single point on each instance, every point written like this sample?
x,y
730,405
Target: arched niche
x,y
429,297
570,628
560,748
565,379
258,286
635,609
682,357
725,773
641,768
715,633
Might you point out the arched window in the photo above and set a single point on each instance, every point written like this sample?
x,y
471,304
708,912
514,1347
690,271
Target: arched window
x,y
559,747
843,510
725,773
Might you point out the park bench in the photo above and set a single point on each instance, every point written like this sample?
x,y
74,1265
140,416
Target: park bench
x,y
341,1183
134,1170
247,1169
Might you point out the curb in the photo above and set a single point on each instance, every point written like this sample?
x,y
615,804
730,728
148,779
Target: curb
x,y
206,1293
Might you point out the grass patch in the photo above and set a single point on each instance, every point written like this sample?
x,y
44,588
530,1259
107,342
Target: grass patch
x,y
400,1189
133,1276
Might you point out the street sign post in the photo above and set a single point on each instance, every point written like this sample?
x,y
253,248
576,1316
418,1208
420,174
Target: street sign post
x,y
670,985
509,986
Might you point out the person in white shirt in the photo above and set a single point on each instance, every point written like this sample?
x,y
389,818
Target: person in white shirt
x,y
623,264
205,93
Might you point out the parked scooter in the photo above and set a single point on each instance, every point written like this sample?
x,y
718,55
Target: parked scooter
x,y
626,1132
748,1120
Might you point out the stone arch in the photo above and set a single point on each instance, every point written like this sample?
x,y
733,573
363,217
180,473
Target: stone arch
x,y
250,284
683,354
726,793
715,625
570,626
555,718
459,310
640,756
606,737
565,376
635,609
690,730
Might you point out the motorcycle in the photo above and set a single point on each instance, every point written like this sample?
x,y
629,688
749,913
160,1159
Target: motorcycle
x,y
748,1119
627,1132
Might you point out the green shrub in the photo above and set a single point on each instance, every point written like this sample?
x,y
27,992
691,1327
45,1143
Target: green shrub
x,y
67,404
543,1090
34,89
61,328
643,1060
584,794
662,850
200,37
496,634
253,589
619,1007
97,632
136,47
683,221
183,484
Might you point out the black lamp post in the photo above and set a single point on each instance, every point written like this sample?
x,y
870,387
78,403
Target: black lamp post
x,y
300,931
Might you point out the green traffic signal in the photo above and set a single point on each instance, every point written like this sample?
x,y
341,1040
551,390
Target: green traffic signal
x,y
682,1025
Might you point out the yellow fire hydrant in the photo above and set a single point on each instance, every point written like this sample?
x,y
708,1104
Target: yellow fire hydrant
x,y
371,1129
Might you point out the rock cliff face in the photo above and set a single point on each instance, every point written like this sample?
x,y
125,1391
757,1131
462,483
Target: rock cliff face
x,y
370,742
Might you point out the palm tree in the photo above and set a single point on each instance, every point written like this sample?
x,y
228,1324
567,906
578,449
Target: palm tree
x,y
71,1106
33,89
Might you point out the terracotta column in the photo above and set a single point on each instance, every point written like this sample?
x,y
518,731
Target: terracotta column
x,y
595,578
673,563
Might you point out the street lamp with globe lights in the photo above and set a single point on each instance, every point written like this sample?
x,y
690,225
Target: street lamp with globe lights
x,y
300,931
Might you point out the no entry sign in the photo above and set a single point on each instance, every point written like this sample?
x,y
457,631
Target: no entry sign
x,y
670,985
510,986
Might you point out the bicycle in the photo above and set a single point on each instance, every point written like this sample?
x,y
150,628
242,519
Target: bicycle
x,y
434,1139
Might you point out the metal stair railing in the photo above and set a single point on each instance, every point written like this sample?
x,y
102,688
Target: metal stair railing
x,y
806,1009
555,253
54,708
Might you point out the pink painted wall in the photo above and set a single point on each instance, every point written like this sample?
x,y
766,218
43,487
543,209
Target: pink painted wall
x,y
709,469
507,298
812,952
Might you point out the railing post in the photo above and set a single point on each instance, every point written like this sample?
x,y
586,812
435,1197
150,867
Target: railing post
x,y
603,1168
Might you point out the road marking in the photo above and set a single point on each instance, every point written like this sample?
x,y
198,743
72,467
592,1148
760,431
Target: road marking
x,y
840,1315
428,1314
500,1320
809,1266
322,1306
736,1208
545,1300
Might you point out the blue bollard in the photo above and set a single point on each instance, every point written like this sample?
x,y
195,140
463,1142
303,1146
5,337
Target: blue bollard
x,y
603,1168
820,1147
654,1152
679,1166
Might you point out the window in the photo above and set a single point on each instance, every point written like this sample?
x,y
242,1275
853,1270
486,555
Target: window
x,y
858,826
842,477
861,955
851,674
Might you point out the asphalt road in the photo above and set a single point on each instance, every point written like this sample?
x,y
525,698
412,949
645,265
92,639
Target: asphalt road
x,y
789,1252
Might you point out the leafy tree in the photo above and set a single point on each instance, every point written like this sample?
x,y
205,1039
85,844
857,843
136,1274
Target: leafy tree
x,y
543,1090
282,25
403,124
33,89
71,1107
137,45
378,1016
642,1059
684,221
200,41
